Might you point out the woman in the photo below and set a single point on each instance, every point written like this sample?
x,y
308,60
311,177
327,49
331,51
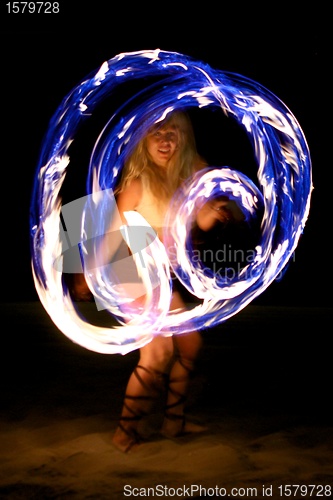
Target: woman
x,y
158,165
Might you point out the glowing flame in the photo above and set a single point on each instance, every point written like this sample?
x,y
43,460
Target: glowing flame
x,y
284,189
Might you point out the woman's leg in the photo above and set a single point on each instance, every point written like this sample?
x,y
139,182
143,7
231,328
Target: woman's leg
x,y
144,385
187,349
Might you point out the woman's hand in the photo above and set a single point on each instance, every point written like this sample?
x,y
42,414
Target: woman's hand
x,y
218,210
79,289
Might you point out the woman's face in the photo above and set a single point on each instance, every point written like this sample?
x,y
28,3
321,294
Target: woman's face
x,y
162,144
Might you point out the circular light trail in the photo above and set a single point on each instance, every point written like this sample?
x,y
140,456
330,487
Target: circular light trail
x,y
172,81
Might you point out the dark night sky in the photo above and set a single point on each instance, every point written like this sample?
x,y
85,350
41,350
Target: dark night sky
x,y
42,60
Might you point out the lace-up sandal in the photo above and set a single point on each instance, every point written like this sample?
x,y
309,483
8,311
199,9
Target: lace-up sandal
x,y
175,423
126,437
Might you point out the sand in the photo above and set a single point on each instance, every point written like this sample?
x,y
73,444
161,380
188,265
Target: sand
x,y
262,387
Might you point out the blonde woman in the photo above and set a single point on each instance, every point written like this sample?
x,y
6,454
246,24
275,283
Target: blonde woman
x,y
159,164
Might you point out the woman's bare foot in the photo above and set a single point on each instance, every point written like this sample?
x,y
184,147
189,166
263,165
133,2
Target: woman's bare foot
x,y
177,427
125,440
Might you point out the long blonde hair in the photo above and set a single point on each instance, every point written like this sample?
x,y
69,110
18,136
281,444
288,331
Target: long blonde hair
x,y
163,183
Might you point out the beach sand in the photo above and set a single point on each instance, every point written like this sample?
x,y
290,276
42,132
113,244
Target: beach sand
x,y
263,387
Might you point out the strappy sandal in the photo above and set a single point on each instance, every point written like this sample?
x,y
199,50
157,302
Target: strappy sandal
x,y
175,417
136,414
131,432
180,400
185,428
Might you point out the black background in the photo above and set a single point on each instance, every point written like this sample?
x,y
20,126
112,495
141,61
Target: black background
x,y
45,57
266,373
